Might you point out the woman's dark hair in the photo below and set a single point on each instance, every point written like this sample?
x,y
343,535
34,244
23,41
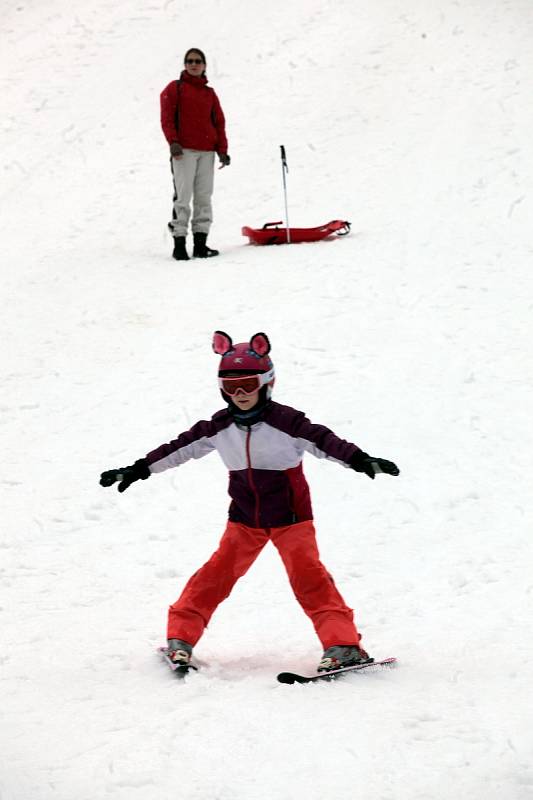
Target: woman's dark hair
x,y
194,50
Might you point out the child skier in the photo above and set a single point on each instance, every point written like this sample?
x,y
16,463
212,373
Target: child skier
x,y
262,444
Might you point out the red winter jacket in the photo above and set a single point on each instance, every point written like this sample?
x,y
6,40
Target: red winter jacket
x,y
191,114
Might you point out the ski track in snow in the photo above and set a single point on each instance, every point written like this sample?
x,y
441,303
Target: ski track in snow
x,y
411,337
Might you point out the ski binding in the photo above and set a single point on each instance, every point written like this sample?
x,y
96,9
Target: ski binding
x,y
178,669
333,674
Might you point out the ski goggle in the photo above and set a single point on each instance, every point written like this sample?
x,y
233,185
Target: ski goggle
x,y
246,384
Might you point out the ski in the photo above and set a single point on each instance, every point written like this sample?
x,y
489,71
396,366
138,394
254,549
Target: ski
x,y
180,670
293,677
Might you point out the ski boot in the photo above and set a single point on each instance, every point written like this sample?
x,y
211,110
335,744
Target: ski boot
x,y
180,252
201,250
179,652
340,656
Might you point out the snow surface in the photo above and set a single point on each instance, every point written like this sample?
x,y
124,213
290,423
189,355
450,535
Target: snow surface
x,y
411,337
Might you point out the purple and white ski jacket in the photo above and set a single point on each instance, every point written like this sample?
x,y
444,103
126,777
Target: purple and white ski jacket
x,y
267,485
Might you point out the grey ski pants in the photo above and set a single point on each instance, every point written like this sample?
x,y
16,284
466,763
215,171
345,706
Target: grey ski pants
x,y
193,180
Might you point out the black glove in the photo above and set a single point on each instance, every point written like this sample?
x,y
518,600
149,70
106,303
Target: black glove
x,y
126,475
362,462
224,159
176,150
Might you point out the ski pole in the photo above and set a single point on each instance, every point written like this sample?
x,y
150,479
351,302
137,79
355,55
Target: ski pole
x,y
284,169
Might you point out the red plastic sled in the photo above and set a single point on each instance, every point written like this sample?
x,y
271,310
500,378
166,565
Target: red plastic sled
x,y
270,233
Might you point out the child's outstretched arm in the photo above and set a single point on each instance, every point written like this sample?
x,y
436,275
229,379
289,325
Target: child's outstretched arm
x,y
194,443
324,443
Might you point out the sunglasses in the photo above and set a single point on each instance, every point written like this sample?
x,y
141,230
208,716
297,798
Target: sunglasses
x,y
193,61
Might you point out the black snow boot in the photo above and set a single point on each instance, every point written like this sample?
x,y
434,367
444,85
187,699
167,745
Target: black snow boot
x,y
180,252
201,250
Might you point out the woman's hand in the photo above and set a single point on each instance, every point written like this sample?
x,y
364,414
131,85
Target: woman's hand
x,y
176,150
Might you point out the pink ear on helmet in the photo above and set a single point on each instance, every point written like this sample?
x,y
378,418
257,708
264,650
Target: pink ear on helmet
x,y
222,343
259,344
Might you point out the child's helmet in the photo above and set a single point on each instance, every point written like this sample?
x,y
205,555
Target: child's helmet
x,y
245,358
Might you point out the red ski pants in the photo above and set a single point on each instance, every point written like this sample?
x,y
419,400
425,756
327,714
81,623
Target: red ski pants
x,y
240,545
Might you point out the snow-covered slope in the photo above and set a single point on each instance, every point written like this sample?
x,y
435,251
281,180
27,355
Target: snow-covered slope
x,y
411,337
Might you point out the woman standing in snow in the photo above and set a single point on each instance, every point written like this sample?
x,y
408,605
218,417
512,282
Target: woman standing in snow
x,y
262,443
194,126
